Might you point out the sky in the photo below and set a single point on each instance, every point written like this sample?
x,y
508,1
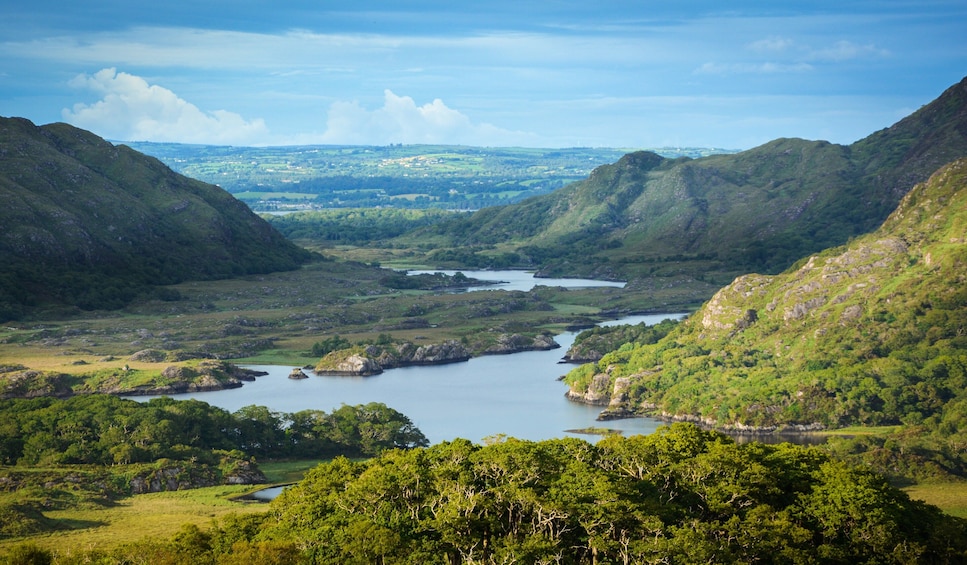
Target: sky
x,y
554,73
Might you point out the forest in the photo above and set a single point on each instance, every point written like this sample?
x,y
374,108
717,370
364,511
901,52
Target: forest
x,y
681,495
108,430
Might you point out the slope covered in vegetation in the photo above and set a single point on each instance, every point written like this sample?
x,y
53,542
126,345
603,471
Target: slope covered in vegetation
x,y
758,210
89,224
680,495
97,449
870,333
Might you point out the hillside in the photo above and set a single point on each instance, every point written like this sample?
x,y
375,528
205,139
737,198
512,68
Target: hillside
x,y
871,333
759,210
91,225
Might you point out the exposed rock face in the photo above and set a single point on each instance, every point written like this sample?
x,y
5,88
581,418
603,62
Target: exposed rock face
x,y
359,365
584,356
434,354
20,382
149,356
245,473
17,382
780,354
297,374
191,476
515,343
597,394
171,478
206,376
372,360
722,313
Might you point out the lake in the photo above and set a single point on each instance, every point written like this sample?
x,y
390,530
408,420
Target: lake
x,y
519,280
517,395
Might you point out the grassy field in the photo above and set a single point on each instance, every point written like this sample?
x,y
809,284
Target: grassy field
x,y
141,516
158,514
287,472
949,497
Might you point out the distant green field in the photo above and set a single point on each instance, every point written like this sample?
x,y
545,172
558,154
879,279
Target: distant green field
x,y
411,176
252,195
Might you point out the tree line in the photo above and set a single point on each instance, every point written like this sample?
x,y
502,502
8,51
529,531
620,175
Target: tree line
x,y
681,495
107,430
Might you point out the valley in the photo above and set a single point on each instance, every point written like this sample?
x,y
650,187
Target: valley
x,y
826,283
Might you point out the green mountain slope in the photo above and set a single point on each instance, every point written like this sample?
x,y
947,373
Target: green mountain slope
x,y
89,224
871,333
759,210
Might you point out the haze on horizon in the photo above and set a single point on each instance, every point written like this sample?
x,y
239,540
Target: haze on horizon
x,y
494,73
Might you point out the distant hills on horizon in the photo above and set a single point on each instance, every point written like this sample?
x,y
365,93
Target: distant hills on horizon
x,y
92,225
455,177
716,216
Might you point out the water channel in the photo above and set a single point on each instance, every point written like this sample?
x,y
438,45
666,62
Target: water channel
x,y
517,395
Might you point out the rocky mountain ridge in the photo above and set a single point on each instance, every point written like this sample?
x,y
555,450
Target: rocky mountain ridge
x,y
721,215
869,333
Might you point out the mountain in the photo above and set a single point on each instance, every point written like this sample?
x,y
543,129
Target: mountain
x,y
91,225
758,210
872,333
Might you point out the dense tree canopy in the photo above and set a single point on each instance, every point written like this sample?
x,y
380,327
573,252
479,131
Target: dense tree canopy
x,y
682,495
107,430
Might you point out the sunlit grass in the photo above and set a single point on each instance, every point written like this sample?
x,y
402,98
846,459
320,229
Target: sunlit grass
x,y
949,497
283,472
144,515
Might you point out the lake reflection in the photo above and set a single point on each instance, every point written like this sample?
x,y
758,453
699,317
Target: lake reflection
x,y
517,395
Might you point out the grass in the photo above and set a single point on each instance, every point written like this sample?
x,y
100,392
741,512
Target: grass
x,y
141,516
90,526
949,497
288,471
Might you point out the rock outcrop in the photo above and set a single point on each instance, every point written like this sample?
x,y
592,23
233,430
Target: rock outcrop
x,y
856,335
205,377
184,476
515,343
373,359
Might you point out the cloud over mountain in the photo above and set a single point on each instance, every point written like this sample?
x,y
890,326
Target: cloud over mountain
x,y
131,109
401,120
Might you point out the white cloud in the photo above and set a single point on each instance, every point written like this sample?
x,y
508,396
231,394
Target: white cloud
x,y
771,44
130,109
400,120
751,68
847,50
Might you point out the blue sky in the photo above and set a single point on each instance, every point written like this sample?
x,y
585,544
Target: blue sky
x,y
557,73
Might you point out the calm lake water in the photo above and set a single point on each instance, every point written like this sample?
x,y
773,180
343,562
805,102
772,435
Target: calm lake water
x,y
520,280
517,395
